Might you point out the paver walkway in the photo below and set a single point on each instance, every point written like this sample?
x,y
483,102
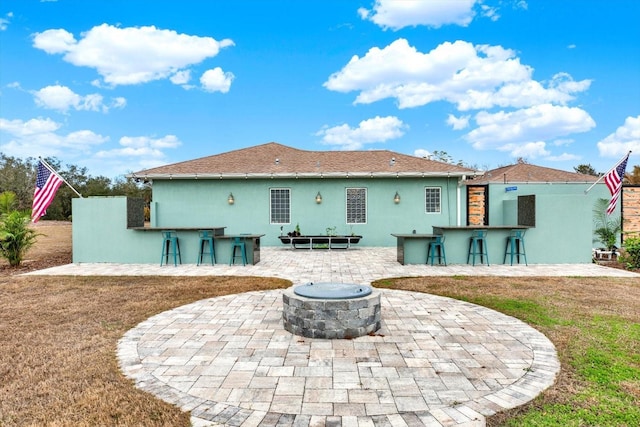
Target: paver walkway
x,y
356,265
435,362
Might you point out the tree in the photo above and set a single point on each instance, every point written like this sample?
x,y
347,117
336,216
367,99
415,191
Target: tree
x,y
633,177
606,228
444,157
586,170
18,176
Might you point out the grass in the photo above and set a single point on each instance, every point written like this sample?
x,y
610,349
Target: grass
x,y
594,324
58,365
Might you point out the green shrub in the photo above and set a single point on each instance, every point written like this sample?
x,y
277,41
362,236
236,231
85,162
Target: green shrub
x,y
15,236
606,228
631,253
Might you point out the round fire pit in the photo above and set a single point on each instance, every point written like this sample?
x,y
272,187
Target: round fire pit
x,y
331,310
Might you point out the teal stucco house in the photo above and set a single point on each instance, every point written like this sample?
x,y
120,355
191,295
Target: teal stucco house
x,y
271,190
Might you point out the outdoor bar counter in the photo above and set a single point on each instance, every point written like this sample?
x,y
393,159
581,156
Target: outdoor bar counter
x,y
457,241
188,238
412,248
223,247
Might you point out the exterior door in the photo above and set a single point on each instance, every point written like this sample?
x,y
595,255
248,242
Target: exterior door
x,y
477,205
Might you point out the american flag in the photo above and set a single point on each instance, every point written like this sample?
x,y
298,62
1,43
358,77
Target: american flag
x,y
47,184
614,183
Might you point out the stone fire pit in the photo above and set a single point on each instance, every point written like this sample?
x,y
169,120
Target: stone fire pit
x,y
331,310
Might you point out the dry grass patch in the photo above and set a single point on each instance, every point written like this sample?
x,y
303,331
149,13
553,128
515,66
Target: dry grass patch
x,y
59,338
58,364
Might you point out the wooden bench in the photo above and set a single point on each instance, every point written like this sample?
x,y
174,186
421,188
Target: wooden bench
x,y
320,242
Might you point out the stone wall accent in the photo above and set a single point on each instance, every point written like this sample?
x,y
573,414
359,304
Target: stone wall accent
x,y
630,211
331,318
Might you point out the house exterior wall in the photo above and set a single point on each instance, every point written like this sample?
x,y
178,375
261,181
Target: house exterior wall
x,y
100,233
204,202
563,231
564,225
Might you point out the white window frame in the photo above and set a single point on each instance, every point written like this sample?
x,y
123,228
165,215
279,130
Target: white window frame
x,y
271,207
366,205
426,207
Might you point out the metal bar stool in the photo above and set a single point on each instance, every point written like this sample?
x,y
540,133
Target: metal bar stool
x,y
206,246
515,246
238,243
170,246
478,246
437,244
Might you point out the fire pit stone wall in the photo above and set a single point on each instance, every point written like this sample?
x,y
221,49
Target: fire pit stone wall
x,y
331,318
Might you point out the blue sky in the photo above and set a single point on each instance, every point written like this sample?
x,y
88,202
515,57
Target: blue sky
x,y
118,86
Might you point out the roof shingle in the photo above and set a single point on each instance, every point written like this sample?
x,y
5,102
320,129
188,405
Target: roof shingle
x,y
524,172
273,159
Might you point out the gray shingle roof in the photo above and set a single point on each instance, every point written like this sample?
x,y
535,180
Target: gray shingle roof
x,y
524,172
277,160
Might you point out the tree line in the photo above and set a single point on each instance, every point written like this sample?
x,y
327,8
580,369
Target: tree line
x,y
19,177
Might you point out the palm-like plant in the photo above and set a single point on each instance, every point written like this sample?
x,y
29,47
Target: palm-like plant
x,y
16,237
606,228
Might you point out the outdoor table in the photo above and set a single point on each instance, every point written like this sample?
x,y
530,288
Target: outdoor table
x,y
223,247
412,248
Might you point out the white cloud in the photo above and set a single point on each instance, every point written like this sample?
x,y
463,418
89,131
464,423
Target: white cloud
x,y
528,149
181,77
216,80
377,129
422,153
489,12
458,123
395,14
61,98
4,22
468,76
526,130
626,138
137,153
133,55
23,129
564,157
41,137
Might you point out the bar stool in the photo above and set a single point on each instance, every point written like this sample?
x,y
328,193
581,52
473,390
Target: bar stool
x,y
437,243
170,246
515,246
478,246
206,242
238,243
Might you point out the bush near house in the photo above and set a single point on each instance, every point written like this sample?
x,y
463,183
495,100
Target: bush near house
x,y
631,253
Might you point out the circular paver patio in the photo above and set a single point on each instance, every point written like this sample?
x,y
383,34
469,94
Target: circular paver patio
x,y
436,361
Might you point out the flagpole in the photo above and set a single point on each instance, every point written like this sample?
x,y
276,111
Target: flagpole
x,y
605,174
48,166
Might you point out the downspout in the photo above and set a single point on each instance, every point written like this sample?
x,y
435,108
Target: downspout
x,y
458,197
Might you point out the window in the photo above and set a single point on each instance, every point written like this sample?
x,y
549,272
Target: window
x,y
432,199
280,206
356,205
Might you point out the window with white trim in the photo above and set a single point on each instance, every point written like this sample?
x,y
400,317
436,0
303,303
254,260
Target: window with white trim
x,y
432,199
356,205
280,206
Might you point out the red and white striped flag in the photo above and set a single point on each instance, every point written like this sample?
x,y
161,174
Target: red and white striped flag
x,y
614,182
47,184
